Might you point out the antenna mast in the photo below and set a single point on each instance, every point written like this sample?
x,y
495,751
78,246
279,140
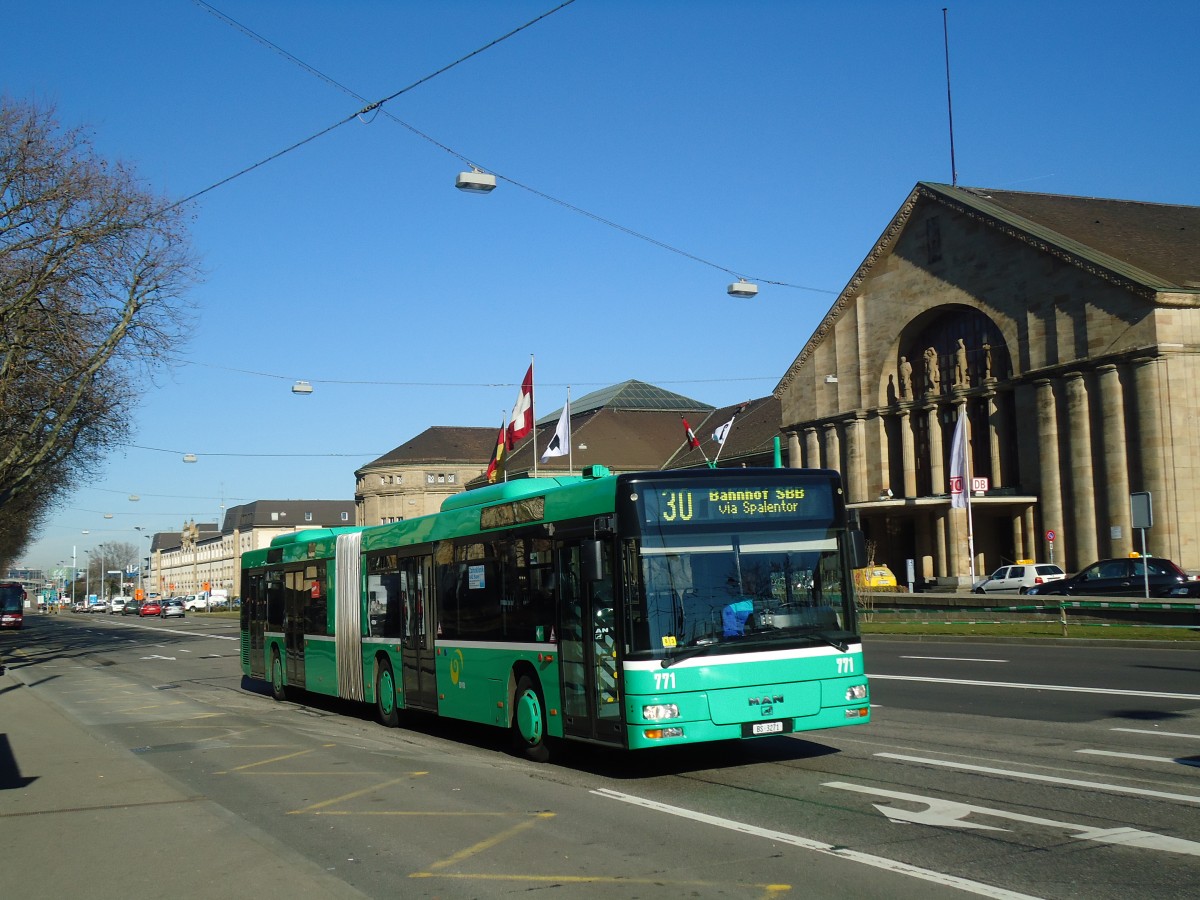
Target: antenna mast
x,y
949,105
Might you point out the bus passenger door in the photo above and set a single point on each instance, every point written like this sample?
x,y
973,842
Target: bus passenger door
x,y
420,617
254,614
588,649
295,588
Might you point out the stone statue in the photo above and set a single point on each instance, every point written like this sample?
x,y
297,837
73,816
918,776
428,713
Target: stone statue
x,y
961,375
987,360
905,378
933,378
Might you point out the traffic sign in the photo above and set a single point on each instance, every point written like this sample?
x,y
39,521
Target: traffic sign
x,y
1050,536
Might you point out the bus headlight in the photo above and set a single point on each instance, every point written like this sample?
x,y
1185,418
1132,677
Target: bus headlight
x,y
658,711
857,692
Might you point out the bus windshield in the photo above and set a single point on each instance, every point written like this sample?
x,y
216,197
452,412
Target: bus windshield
x,y
730,590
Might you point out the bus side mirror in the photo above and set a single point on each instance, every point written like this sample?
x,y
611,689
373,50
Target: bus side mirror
x,y
858,549
593,560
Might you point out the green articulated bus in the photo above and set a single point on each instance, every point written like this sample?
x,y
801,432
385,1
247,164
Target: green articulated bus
x,y
636,610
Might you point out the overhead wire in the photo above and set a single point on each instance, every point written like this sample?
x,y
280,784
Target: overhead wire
x,y
377,107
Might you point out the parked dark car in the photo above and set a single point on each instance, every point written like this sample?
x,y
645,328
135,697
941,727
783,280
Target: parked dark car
x,y
1125,577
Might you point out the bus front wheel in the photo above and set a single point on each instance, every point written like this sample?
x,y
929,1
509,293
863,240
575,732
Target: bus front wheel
x,y
529,720
278,686
385,695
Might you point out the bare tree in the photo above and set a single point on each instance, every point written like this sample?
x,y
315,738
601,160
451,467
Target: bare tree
x,y
93,271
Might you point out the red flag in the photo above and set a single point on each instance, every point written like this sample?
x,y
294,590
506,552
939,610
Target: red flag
x,y
692,440
520,423
495,469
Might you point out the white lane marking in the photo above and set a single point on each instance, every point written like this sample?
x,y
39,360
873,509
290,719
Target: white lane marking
x,y
1144,758
950,814
195,634
1111,692
878,862
955,659
156,656
1051,779
1174,734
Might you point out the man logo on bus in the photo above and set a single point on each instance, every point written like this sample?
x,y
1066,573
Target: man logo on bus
x,y
763,701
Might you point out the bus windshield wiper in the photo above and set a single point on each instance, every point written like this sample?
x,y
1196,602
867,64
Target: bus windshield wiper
x,y
831,641
686,653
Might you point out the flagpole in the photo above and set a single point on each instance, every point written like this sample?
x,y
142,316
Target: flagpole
x,y
570,439
966,485
533,410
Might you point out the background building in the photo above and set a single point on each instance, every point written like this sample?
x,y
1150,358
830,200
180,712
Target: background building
x,y
181,563
1066,329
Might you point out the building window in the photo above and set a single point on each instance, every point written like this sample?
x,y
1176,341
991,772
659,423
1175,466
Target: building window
x,y
345,517
308,517
430,478
450,478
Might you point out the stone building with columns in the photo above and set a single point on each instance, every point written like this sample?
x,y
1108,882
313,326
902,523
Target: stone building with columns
x,y
1065,329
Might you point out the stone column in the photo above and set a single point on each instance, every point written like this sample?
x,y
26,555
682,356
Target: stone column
x,y
939,543
833,448
1162,539
812,448
937,461
995,435
908,455
1049,479
883,462
1116,459
795,459
1083,479
856,460
1018,536
1031,536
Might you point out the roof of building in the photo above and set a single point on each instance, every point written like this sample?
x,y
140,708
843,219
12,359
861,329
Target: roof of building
x,y
170,540
442,444
1155,244
287,514
629,395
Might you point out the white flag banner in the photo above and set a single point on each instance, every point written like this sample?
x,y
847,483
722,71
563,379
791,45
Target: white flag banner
x,y
723,432
560,444
959,476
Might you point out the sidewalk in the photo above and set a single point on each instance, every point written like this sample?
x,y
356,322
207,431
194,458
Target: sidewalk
x,y
83,818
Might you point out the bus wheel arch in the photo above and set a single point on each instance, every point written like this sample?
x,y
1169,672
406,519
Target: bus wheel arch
x,y
529,723
386,706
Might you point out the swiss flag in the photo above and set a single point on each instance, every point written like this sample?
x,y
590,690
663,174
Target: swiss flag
x,y
520,423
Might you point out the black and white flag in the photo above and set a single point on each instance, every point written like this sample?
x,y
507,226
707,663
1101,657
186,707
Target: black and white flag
x,y
560,444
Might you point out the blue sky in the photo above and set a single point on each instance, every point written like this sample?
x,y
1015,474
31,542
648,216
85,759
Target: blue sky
x,y
771,139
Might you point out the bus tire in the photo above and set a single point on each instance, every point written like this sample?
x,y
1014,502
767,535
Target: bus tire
x,y
278,684
385,695
529,720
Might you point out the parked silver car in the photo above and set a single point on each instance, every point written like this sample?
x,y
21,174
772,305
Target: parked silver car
x,y
1018,579
172,607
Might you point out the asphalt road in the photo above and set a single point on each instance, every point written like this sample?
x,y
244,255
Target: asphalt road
x,y
997,770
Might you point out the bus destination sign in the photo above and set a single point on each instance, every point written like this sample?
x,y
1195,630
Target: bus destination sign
x,y
695,505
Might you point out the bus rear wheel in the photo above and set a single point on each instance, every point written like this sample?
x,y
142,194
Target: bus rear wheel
x,y
529,720
385,695
278,686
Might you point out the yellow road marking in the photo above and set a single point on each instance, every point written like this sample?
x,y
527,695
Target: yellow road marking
x,y
352,795
769,889
266,761
492,841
